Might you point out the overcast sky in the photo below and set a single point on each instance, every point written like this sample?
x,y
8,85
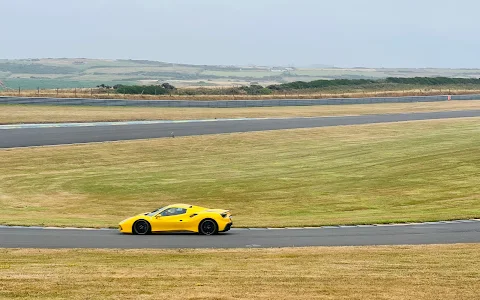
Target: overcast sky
x,y
344,33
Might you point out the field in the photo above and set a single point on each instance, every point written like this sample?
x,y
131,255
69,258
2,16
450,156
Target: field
x,y
412,171
52,73
12,114
399,272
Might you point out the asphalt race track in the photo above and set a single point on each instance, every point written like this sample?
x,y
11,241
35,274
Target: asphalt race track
x,y
467,231
65,134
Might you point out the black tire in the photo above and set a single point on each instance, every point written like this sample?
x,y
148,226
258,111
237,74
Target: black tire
x,y
208,227
141,227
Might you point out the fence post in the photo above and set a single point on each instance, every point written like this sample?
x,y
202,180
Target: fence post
x,y
38,91
18,91
57,92
75,92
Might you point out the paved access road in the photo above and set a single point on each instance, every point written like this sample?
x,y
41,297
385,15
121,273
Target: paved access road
x,y
435,233
67,134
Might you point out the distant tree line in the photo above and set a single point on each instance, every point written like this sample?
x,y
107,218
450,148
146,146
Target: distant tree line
x,y
163,89
257,89
424,81
432,80
318,84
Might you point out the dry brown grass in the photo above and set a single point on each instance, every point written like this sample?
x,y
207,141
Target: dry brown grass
x,y
10,114
94,94
383,272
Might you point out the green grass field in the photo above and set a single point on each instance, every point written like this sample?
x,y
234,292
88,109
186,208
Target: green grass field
x,y
55,73
414,171
394,272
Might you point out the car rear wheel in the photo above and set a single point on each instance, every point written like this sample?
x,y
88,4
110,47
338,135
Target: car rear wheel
x,y
141,227
208,227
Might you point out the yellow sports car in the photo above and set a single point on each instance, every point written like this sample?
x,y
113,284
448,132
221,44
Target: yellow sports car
x,y
179,217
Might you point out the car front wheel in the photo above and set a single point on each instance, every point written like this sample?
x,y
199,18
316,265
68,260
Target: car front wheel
x,y
141,227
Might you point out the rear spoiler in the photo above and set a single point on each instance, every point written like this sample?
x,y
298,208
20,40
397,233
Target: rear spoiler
x,y
220,211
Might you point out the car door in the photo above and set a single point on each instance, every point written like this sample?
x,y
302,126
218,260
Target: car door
x,y
171,219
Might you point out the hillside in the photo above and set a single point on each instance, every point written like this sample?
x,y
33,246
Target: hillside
x,y
77,73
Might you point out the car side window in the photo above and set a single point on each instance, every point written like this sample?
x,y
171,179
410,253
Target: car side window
x,y
173,211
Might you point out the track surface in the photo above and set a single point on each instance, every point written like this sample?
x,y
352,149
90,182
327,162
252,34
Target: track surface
x,y
24,137
440,233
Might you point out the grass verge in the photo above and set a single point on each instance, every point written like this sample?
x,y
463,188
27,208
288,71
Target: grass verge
x,y
386,272
339,92
12,114
411,171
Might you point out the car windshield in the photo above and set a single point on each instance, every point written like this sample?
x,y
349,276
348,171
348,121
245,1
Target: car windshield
x,y
155,211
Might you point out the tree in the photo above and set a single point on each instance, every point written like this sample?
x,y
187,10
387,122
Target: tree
x,y
168,86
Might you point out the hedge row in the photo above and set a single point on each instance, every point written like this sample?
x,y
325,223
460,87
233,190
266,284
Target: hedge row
x,y
256,89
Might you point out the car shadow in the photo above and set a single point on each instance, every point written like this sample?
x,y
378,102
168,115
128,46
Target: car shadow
x,y
179,234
